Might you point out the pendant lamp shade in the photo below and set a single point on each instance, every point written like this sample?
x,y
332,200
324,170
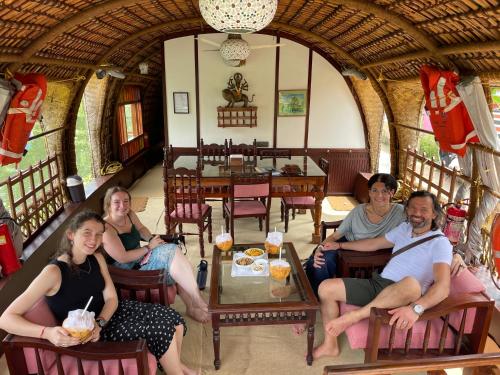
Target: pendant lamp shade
x,y
237,16
235,49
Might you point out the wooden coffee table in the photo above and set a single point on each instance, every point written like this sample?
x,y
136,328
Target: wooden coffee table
x,y
247,300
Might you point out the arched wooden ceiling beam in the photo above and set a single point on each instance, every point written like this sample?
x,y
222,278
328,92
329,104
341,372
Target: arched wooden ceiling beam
x,y
449,50
400,22
147,31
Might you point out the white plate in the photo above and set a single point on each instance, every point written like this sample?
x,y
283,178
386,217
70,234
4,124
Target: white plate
x,y
237,270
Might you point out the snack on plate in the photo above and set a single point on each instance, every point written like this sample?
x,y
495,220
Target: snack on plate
x,y
244,261
254,252
279,269
259,266
273,242
79,326
224,241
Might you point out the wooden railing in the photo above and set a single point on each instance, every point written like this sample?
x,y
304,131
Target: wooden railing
x,y
421,173
133,147
35,195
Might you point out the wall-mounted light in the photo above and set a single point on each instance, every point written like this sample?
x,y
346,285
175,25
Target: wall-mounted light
x,y
144,67
101,73
353,72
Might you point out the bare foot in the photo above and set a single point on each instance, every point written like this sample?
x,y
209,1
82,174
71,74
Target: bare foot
x,y
325,350
189,371
340,324
199,314
298,329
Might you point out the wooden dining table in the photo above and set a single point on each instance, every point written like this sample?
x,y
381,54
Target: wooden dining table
x,y
216,179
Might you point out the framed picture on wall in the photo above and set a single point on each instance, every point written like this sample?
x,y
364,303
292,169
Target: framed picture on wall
x,y
181,102
292,103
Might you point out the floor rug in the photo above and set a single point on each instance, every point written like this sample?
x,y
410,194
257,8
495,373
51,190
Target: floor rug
x,y
342,203
139,204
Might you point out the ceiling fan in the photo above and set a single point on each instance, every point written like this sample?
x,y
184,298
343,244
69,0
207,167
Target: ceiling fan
x,y
235,50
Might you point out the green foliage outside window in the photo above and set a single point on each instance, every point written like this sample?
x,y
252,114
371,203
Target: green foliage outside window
x,y
83,147
37,150
429,146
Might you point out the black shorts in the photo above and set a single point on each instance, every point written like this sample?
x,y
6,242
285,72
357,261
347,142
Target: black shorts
x,y
360,292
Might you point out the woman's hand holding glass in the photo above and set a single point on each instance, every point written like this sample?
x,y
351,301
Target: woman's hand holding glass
x,y
60,337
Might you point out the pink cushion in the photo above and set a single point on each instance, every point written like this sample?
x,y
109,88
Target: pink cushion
x,y
303,201
358,333
466,282
184,211
251,191
48,359
247,208
40,313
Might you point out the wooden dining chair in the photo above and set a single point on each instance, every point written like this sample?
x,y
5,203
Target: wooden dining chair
x,y
275,153
308,202
168,157
213,152
185,203
250,196
249,151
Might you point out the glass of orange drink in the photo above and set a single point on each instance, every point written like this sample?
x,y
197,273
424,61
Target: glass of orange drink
x,y
224,241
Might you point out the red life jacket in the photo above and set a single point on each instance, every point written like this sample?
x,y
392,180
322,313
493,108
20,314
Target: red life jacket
x,y
23,111
449,117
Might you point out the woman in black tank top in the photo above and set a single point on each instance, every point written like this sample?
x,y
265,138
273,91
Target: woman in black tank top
x,y
77,274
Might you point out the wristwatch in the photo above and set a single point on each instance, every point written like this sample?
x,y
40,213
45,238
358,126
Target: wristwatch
x,y
417,309
101,322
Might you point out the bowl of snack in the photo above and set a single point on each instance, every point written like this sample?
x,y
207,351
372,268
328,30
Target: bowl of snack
x,y
254,252
279,269
259,266
243,262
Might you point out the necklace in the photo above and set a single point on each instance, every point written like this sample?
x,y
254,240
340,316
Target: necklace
x,y
90,266
373,211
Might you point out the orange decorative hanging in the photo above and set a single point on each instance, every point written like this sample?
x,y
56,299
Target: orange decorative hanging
x,y
23,111
450,120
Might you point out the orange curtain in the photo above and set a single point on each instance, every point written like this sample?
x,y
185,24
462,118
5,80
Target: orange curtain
x,y
130,94
122,124
137,116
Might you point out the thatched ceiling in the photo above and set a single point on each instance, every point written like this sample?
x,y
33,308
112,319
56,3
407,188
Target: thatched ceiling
x,y
60,38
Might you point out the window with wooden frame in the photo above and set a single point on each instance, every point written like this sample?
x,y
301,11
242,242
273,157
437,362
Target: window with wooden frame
x,y
129,113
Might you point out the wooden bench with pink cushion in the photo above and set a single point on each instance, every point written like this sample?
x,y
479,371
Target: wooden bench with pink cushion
x,y
144,286
457,325
27,355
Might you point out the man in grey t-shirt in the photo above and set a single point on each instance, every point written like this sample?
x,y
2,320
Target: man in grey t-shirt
x,y
411,282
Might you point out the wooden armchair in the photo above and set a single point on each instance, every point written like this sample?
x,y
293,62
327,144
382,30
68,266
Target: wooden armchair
x,y
213,153
26,355
144,286
458,325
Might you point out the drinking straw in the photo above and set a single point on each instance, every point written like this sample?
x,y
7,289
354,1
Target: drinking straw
x,y
87,306
280,253
221,229
274,229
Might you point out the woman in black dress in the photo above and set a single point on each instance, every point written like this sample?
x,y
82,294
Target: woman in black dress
x,y
78,273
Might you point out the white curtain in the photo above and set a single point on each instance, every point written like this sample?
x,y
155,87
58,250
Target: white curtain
x,y
474,99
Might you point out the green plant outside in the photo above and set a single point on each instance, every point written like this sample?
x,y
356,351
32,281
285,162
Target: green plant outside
x,y
37,151
83,148
429,147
